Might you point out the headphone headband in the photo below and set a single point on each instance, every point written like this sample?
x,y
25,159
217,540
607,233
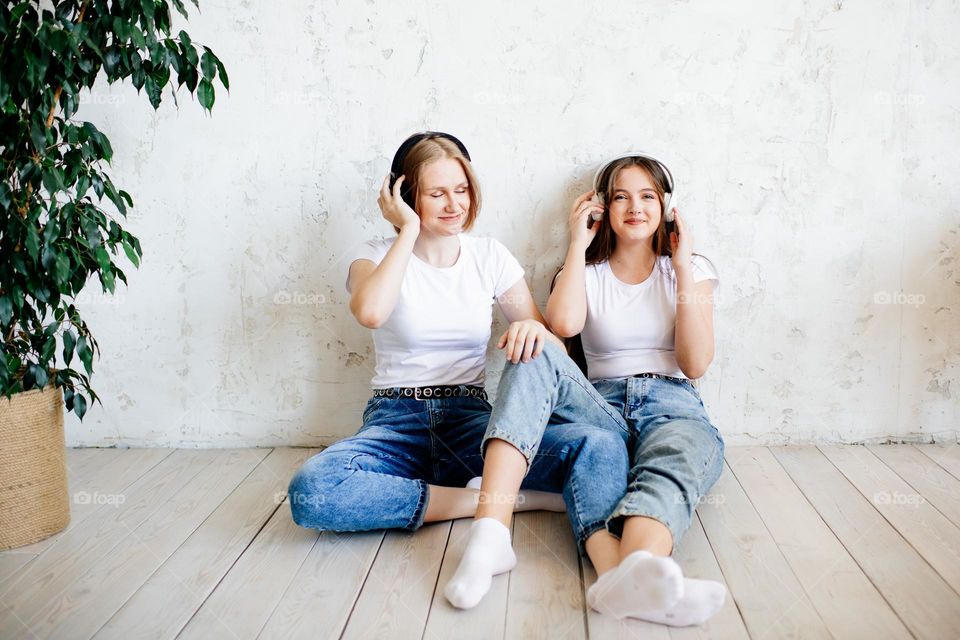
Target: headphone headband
x,y
632,154
396,169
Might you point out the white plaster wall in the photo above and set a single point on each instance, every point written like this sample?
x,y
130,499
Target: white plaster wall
x,y
815,144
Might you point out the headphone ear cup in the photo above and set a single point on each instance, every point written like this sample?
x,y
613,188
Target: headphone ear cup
x,y
668,205
407,194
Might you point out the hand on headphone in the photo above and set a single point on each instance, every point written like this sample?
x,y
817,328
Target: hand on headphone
x,y
681,243
394,209
580,235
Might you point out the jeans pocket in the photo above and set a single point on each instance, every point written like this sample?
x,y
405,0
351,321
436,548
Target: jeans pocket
x,y
372,405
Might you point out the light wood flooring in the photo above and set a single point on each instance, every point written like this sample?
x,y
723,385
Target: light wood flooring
x,y
812,542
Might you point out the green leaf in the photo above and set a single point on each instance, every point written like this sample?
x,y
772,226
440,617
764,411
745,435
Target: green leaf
x,y
149,7
32,242
111,58
39,375
79,405
138,77
6,310
223,75
86,355
83,185
61,268
48,348
190,78
131,254
205,94
136,36
17,12
208,64
153,91
190,53
69,342
91,231
103,258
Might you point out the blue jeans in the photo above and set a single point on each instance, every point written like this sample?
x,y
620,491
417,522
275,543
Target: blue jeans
x,y
675,453
378,478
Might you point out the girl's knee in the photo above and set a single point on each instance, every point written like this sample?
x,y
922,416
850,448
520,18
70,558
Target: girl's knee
x,y
313,488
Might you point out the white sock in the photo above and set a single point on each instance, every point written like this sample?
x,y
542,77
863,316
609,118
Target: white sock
x,y
700,601
531,500
642,582
488,553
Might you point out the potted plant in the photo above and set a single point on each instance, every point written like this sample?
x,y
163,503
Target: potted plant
x,y
60,220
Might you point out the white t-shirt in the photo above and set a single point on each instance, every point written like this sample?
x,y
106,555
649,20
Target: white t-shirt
x,y
630,327
439,330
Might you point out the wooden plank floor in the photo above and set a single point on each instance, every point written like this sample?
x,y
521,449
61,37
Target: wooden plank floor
x,y
818,542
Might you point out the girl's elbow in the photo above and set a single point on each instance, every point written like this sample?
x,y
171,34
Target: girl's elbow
x,y
694,370
368,318
564,327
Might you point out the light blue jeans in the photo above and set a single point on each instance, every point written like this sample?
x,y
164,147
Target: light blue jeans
x,y
676,454
378,478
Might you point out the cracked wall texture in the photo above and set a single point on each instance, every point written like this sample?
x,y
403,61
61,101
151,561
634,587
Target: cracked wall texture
x,y
814,143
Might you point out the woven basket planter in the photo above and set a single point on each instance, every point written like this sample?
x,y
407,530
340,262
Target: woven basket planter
x,y
34,499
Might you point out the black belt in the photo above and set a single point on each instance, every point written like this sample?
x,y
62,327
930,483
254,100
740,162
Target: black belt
x,y
437,391
659,375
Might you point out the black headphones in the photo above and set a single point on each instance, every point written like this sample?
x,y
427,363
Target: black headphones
x,y
396,169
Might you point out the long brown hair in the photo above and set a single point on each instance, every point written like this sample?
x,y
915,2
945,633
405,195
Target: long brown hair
x,y
603,244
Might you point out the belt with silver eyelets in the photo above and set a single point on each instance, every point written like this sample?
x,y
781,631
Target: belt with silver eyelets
x,y
436,391
659,375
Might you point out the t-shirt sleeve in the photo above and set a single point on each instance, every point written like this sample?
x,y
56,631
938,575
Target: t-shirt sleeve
x,y
703,269
372,250
506,269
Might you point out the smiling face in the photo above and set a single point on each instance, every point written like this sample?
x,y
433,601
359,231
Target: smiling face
x,y
634,205
443,197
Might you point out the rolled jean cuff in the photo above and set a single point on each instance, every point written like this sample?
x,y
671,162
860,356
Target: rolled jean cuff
x,y
420,512
614,523
585,532
528,450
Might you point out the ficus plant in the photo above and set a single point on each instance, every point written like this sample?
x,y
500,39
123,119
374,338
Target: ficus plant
x,y
61,212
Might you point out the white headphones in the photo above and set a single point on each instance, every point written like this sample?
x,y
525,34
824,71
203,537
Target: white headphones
x,y
669,198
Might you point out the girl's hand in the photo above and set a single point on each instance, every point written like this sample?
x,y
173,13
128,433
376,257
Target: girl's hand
x,y
394,209
580,236
681,243
523,340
